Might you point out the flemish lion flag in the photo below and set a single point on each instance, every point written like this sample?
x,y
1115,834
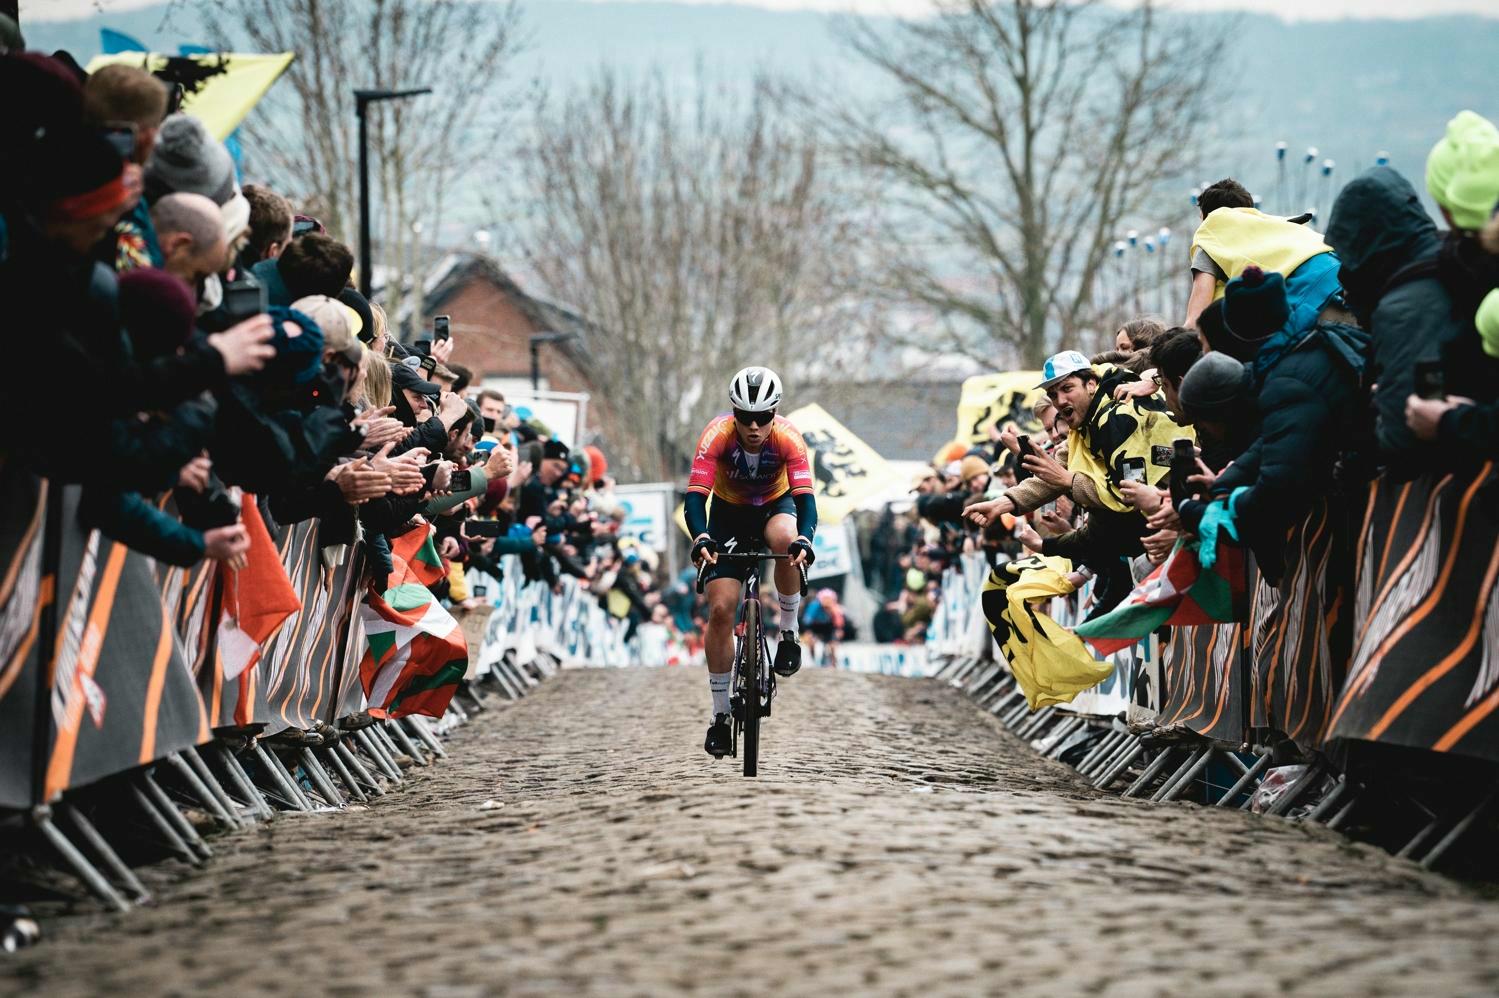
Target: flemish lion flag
x,y
414,652
1180,593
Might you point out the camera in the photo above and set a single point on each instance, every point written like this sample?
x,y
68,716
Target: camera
x,y
440,328
244,299
1134,469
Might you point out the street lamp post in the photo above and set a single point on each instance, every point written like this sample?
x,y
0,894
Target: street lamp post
x,y
362,100
536,341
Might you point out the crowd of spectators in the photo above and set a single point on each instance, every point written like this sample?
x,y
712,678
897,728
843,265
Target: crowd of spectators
x,y
204,344
1305,365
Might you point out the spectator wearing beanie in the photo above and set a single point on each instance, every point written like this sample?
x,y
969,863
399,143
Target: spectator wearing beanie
x,y
1217,395
1462,175
185,159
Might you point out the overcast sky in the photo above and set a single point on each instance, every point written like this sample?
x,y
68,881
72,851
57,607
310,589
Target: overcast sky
x,y
1291,10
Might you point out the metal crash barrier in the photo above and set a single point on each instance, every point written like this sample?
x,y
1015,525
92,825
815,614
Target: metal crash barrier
x,y
139,704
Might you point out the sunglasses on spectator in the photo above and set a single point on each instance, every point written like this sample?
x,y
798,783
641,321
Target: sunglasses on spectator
x,y
753,418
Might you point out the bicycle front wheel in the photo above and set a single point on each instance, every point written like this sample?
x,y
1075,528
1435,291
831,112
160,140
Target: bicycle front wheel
x,y
750,665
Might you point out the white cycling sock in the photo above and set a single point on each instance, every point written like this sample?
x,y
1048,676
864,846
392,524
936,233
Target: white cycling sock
x,y
790,607
719,683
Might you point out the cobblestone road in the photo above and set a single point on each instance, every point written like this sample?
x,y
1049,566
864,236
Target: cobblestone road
x,y
898,843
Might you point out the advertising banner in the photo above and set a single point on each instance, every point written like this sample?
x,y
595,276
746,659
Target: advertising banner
x,y
647,512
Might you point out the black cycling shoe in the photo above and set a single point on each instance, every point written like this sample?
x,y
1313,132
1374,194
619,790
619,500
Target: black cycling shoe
x,y
788,655
720,739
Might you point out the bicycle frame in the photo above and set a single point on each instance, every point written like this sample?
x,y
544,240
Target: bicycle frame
x,y
754,682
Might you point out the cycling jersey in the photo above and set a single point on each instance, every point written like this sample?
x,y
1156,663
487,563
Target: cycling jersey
x,y
723,469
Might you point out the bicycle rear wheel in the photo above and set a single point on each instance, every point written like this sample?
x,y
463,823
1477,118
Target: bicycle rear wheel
x,y
750,665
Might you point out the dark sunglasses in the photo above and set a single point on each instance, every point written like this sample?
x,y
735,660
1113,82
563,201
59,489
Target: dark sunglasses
x,y
753,418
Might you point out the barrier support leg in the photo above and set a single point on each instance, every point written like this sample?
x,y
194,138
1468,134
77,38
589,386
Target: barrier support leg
x,y
1124,753
201,791
168,819
319,778
1183,778
425,735
1345,811
199,766
1038,724
400,737
1326,804
357,768
386,748
102,849
1153,770
1105,749
277,774
1243,783
171,813
393,752
1129,754
330,754
253,798
1458,830
92,878
1314,773
1419,839
362,737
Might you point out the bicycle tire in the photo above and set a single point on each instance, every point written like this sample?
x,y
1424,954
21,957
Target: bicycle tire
x,y
750,665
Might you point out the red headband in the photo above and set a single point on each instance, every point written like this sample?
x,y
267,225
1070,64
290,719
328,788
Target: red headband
x,y
109,197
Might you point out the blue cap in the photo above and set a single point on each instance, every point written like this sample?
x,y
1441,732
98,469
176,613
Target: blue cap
x,y
1063,365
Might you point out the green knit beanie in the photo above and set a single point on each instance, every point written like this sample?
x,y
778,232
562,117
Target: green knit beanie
x,y
1487,321
1462,171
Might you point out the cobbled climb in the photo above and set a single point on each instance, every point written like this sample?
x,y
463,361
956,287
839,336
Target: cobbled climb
x,y
897,843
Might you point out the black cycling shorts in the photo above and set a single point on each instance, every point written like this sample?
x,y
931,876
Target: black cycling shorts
x,y
741,528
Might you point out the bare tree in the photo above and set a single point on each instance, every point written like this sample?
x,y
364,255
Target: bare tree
x,y
1021,138
418,147
698,235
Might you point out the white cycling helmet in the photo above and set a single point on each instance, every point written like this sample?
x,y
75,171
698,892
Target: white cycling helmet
x,y
755,389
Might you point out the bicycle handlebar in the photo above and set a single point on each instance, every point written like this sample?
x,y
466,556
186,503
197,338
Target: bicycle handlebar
x,y
702,569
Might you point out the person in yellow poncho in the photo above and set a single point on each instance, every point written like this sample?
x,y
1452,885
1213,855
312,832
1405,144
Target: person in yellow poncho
x,y
1234,236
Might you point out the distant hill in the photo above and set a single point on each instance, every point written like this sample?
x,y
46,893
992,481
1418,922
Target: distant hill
x,y
1351,88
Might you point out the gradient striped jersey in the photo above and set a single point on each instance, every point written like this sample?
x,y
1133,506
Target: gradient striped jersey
x,y
720,466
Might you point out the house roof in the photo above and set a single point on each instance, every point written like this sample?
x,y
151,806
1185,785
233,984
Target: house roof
x,y
456,271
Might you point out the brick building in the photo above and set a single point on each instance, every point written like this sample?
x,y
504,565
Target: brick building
x,y
493,321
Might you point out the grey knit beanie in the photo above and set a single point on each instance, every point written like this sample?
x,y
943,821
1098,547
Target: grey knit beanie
x,y
1215,388
188,159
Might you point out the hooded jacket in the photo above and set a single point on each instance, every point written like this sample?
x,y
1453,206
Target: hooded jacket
x,y
1309,400
1379,229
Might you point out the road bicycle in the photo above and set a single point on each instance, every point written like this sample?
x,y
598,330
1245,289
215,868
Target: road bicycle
x,y
754,683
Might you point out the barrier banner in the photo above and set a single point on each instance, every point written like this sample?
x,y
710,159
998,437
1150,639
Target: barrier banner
x,y
647,512
24,594
846,469
122,691
1425,664
303,666
988,399
1300,631
888,660
1203,688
